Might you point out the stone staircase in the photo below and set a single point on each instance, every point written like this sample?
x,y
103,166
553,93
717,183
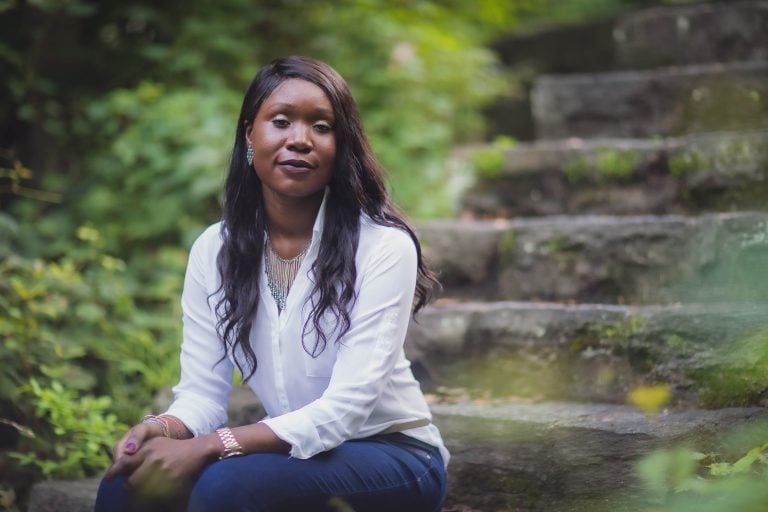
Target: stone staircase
x,y
626,247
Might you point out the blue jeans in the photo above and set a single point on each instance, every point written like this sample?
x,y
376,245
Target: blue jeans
x,y
377,474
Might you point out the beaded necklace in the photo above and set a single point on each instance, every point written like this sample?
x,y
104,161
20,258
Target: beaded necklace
x,y
281,272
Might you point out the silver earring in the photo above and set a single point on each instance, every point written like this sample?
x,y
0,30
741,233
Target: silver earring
x,y
249,155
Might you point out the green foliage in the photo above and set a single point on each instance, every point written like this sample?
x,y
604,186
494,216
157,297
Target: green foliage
x,y
683,480
79,356
626,329
489,162
617,335
668,471
732,157
84,431
686,162
740,374
605,165
400,60
162,167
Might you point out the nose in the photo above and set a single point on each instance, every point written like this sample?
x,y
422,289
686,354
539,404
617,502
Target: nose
x,y
300,138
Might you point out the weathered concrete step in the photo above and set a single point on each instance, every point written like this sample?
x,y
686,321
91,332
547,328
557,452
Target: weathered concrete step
x,y
601,259
564,457
668,101
703,172
531,457
692,34
548,49
593,352
64,496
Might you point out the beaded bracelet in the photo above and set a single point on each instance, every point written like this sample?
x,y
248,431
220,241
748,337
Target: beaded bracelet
x,y
157,420
180,433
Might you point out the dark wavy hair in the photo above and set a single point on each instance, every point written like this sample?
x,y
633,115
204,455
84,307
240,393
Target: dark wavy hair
x,y
356,187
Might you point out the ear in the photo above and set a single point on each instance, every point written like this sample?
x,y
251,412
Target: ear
x,y
248,130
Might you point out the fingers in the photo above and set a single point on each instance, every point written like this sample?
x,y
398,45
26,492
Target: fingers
x,y
124,464
132,441
119,447
124,453
152,481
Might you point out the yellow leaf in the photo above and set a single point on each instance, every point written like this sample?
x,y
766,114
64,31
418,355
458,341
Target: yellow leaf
x,y
649,398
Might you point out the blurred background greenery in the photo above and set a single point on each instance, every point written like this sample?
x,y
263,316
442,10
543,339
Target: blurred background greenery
x,y
116,120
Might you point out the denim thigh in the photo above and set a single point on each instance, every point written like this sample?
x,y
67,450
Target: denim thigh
x,y
376,474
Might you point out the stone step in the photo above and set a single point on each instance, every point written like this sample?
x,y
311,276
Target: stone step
x,y
593,352
691,174
666,101
692,34
601,259
64,496
564,457
547,49
532,457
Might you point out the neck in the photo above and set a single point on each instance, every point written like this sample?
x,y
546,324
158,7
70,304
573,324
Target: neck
x,y
290,222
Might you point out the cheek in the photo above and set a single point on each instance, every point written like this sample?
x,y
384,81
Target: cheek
x,y
266,140
329,149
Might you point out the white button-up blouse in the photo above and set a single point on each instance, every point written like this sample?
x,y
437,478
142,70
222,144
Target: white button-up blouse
x,y
357,387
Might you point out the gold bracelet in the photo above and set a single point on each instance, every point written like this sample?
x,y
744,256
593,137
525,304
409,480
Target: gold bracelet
x,y
231,447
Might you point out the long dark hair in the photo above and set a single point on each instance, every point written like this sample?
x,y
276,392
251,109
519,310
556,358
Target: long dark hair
x,y
356,187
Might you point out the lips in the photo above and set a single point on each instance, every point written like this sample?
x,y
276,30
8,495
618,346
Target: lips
x,y
298,164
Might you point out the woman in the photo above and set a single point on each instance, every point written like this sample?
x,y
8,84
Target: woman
x,y
307,287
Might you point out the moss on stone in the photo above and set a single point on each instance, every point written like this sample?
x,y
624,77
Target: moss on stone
x,y
605,165
489,162
727,104
559,247
677,343
556,245
686,162
618,334
503,373
738,374
507,246
725,156
612,163
578,169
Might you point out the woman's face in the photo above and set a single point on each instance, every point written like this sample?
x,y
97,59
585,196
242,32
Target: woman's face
x,y
293,141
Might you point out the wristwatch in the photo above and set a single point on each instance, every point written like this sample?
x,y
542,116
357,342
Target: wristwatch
x,y
231,447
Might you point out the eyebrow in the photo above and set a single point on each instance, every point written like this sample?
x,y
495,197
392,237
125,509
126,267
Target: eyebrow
x,y
319,110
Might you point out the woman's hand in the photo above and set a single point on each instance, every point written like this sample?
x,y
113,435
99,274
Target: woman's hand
x,y
162,465
133,439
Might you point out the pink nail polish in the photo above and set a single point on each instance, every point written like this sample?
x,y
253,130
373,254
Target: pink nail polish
x,y
130,446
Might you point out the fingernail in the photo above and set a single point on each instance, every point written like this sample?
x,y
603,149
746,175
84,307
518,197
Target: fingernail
x,y
131,446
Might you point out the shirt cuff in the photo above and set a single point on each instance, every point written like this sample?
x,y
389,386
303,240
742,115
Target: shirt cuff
x,y
296,429
197,420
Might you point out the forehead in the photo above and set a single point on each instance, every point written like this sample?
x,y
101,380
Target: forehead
x,y
298,94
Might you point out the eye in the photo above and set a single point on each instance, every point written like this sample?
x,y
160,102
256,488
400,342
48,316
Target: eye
x,y
280,122
322,128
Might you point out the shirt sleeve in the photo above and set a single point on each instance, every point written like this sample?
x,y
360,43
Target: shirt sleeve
x,y
202,393
366,356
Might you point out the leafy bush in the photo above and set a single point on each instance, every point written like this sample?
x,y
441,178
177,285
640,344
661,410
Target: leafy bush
x,y
684,480
84,430
161,171
80,357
